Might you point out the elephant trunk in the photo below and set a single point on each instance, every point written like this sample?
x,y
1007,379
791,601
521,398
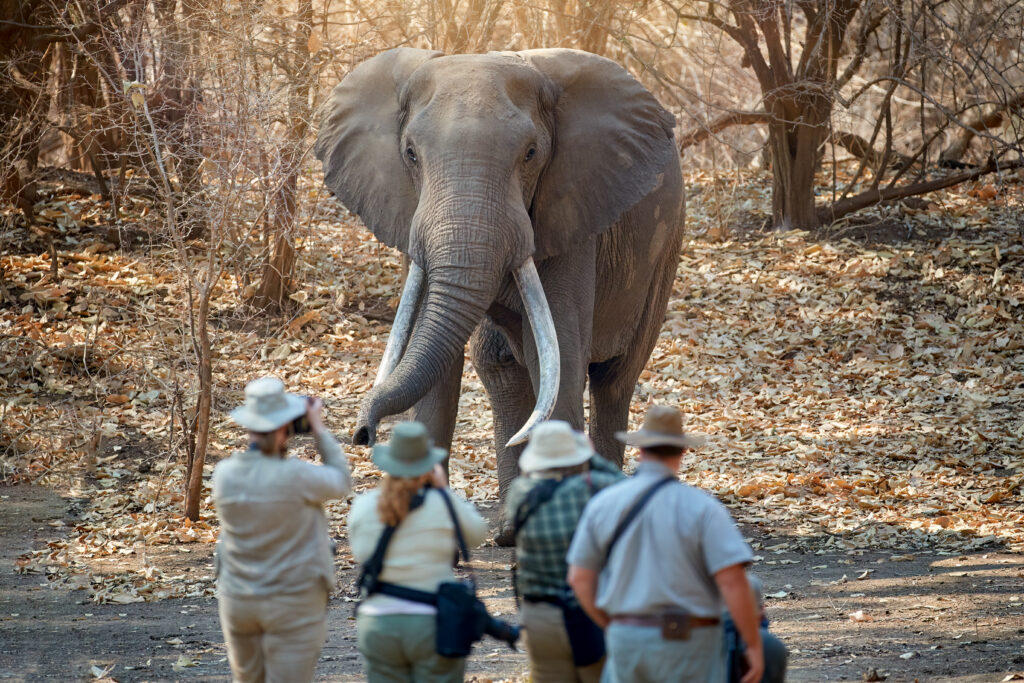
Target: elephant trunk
x,y
448,312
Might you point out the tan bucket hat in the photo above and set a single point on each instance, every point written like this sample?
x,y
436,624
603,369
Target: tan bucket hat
x,y
663,426
554,443
268,406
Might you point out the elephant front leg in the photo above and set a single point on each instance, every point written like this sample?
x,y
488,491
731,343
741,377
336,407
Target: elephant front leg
x,y
511,394
440,406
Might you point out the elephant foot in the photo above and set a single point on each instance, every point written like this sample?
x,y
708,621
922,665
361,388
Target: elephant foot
x,y
506,536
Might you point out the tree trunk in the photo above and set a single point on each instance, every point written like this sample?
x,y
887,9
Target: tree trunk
x,y
796,150
194,490
276,281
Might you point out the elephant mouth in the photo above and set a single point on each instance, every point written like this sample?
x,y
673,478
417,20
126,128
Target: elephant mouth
x,y
539,314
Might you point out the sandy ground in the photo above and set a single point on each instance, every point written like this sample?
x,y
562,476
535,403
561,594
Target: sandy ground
x,y
930,618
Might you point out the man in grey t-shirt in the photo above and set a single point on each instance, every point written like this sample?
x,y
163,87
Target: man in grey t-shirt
x,y
658,590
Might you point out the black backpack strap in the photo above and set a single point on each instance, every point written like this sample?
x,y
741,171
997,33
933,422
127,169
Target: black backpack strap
x,y
368,583
537,496
632,514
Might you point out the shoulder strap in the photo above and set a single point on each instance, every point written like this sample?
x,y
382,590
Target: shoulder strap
x,y
372,568
458,528
537,496
632,514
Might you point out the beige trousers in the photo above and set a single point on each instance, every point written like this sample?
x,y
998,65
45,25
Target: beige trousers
x,y
547,645
274,638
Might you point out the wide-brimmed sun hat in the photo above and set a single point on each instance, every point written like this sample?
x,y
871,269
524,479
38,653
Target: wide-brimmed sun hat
x,y
555,443
410,453
268,406
663,426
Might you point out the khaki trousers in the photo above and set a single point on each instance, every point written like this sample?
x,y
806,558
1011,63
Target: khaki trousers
x,y
638,654
274,638
547,645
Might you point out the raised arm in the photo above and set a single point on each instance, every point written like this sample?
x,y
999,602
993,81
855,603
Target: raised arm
x,y
333,480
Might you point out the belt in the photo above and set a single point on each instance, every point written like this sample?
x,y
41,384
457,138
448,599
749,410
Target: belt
x,y
659,620
550,599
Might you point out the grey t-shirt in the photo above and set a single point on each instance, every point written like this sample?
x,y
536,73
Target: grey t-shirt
x,y
667,557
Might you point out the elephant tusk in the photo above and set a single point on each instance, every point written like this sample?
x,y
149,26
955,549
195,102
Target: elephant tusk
x,y
402,327
547,347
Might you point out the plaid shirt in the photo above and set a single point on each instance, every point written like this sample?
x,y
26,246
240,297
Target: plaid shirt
x,y
544,540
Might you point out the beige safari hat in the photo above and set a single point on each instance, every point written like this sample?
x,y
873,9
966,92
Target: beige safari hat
x,y
268,406
663,426
554,443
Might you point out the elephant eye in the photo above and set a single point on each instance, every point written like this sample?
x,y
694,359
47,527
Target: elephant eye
x,y
410,154
530,153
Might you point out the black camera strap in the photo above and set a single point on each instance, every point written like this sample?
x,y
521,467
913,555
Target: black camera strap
x,y
535,497
633,512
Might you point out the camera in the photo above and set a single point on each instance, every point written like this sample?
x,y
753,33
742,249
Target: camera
x,y
300,425
502,630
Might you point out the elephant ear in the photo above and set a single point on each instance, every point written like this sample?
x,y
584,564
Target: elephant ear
x,y
613,142
358,143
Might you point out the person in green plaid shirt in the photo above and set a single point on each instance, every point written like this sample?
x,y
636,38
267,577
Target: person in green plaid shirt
x,y
561,472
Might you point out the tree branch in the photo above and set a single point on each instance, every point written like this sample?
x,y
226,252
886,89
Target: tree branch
x,y
985,120
703,131
835,211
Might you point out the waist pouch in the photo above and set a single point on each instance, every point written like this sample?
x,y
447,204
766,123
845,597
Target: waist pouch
x,y
585,637
462,618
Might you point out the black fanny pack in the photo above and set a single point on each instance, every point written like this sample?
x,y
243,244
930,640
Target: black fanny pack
x,y
462,618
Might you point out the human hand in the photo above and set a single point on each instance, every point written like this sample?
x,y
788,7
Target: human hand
x,y
438,477
755,665
313,413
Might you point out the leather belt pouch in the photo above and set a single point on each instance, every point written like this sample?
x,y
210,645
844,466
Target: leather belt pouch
x,y
675,626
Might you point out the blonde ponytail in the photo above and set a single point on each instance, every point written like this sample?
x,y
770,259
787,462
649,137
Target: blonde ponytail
x,y
395,495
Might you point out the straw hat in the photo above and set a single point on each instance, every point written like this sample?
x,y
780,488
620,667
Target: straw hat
x,y
268,406
663,426
410,453
555,443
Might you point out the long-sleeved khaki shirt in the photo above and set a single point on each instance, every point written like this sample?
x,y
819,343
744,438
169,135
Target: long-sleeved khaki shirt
x,y
274,536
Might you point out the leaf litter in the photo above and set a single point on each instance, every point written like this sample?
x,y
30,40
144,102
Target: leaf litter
x,y
855,395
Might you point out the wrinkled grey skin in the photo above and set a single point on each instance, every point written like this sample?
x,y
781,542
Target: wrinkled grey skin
x,y
434,154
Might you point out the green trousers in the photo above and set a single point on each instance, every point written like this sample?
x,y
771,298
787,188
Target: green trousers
x,y
399,648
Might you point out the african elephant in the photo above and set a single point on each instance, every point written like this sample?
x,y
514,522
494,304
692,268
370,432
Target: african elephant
x,y
539,197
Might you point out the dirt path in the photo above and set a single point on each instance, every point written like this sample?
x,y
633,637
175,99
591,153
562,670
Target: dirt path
x,y
929,618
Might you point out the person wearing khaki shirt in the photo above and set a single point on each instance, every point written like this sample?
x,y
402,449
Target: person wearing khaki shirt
x,y
274,556
655,575
396,637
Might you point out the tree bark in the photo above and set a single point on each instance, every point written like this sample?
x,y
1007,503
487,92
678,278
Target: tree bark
x,y
276,280
194,490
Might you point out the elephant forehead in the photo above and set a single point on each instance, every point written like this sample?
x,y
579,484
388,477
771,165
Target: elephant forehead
x,y
500,83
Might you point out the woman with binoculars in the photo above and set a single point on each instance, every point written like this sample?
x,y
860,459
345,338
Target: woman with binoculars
x,y
406,534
